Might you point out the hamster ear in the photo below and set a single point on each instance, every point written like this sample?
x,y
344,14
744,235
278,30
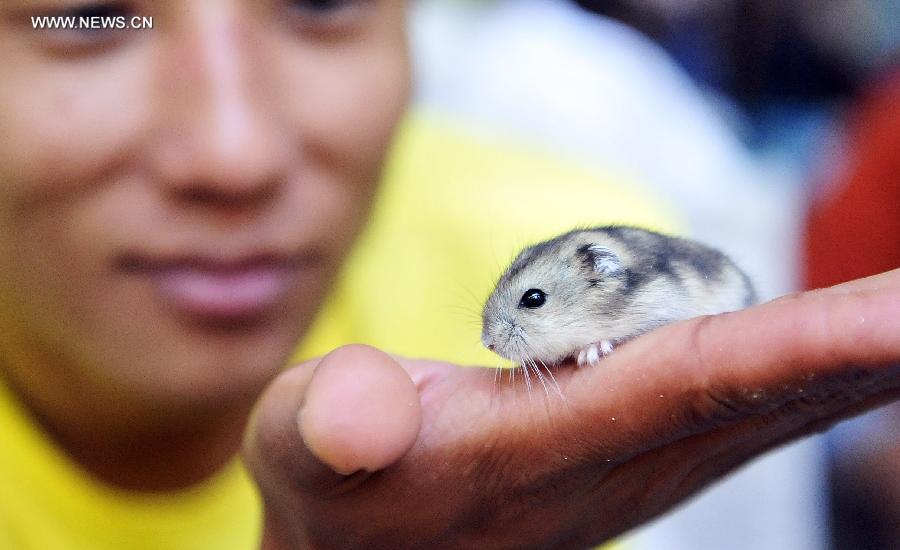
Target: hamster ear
x,y
600,259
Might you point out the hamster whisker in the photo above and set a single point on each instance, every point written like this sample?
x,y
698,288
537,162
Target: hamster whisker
x,y
532,358
520,343
528,364
541,377
465,312
553,380
527,375
499,369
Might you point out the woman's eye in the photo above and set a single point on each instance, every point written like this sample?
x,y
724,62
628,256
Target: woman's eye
x,y
87,27
322,6
99,10
533,298
88,17
328,15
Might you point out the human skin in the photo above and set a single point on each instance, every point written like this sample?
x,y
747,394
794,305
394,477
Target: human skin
x,y
467,464
232,150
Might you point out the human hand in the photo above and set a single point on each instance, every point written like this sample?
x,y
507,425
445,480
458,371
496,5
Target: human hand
x,y
359,449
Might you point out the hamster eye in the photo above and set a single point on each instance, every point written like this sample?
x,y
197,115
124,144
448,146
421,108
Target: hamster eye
x,y
533,298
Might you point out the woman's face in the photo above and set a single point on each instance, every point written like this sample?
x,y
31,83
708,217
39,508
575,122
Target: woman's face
x,y
174,201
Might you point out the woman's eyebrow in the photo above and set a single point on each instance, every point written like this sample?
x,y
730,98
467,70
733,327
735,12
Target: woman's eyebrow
x,y
40,7
56,4
24,12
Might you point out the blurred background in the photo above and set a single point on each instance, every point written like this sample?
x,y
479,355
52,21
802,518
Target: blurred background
x,y
772,128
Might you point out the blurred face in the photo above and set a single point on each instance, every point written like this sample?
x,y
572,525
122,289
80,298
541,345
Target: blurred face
x,y
174,201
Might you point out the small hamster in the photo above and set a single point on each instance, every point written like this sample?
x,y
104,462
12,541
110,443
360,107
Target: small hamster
x,y
580,294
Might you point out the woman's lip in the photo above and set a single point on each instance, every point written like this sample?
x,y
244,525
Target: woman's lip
x,y
223,294
215,289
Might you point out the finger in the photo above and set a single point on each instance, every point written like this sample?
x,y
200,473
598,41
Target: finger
x,y
678,470
362,411
693,376
874,282
355,409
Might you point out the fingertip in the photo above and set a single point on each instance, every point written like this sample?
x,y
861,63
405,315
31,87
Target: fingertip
x,y
361,411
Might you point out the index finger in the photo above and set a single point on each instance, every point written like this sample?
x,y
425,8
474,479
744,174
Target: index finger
x,y
693,376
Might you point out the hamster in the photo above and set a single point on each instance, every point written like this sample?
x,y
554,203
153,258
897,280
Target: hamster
x,y
580,294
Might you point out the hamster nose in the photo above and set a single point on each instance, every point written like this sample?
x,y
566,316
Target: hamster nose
x,y
486,341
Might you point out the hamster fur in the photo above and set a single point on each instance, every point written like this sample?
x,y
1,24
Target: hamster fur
x,y
579,294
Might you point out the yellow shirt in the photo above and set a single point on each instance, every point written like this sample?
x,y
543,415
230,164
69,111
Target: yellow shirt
x,y
47,502
453,209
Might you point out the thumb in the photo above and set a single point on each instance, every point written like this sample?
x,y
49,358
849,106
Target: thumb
x,y
355,409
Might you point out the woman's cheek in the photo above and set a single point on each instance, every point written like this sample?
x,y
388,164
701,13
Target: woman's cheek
x,y
73,122
348,114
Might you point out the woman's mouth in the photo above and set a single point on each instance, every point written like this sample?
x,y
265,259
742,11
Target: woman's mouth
x,y
219,291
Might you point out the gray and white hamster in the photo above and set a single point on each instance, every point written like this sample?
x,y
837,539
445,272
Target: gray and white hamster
x,y
578,295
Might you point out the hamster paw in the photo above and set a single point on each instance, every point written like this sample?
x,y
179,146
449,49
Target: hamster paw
x,y
591,354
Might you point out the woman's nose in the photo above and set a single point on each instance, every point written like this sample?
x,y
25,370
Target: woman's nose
x,y
221,135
